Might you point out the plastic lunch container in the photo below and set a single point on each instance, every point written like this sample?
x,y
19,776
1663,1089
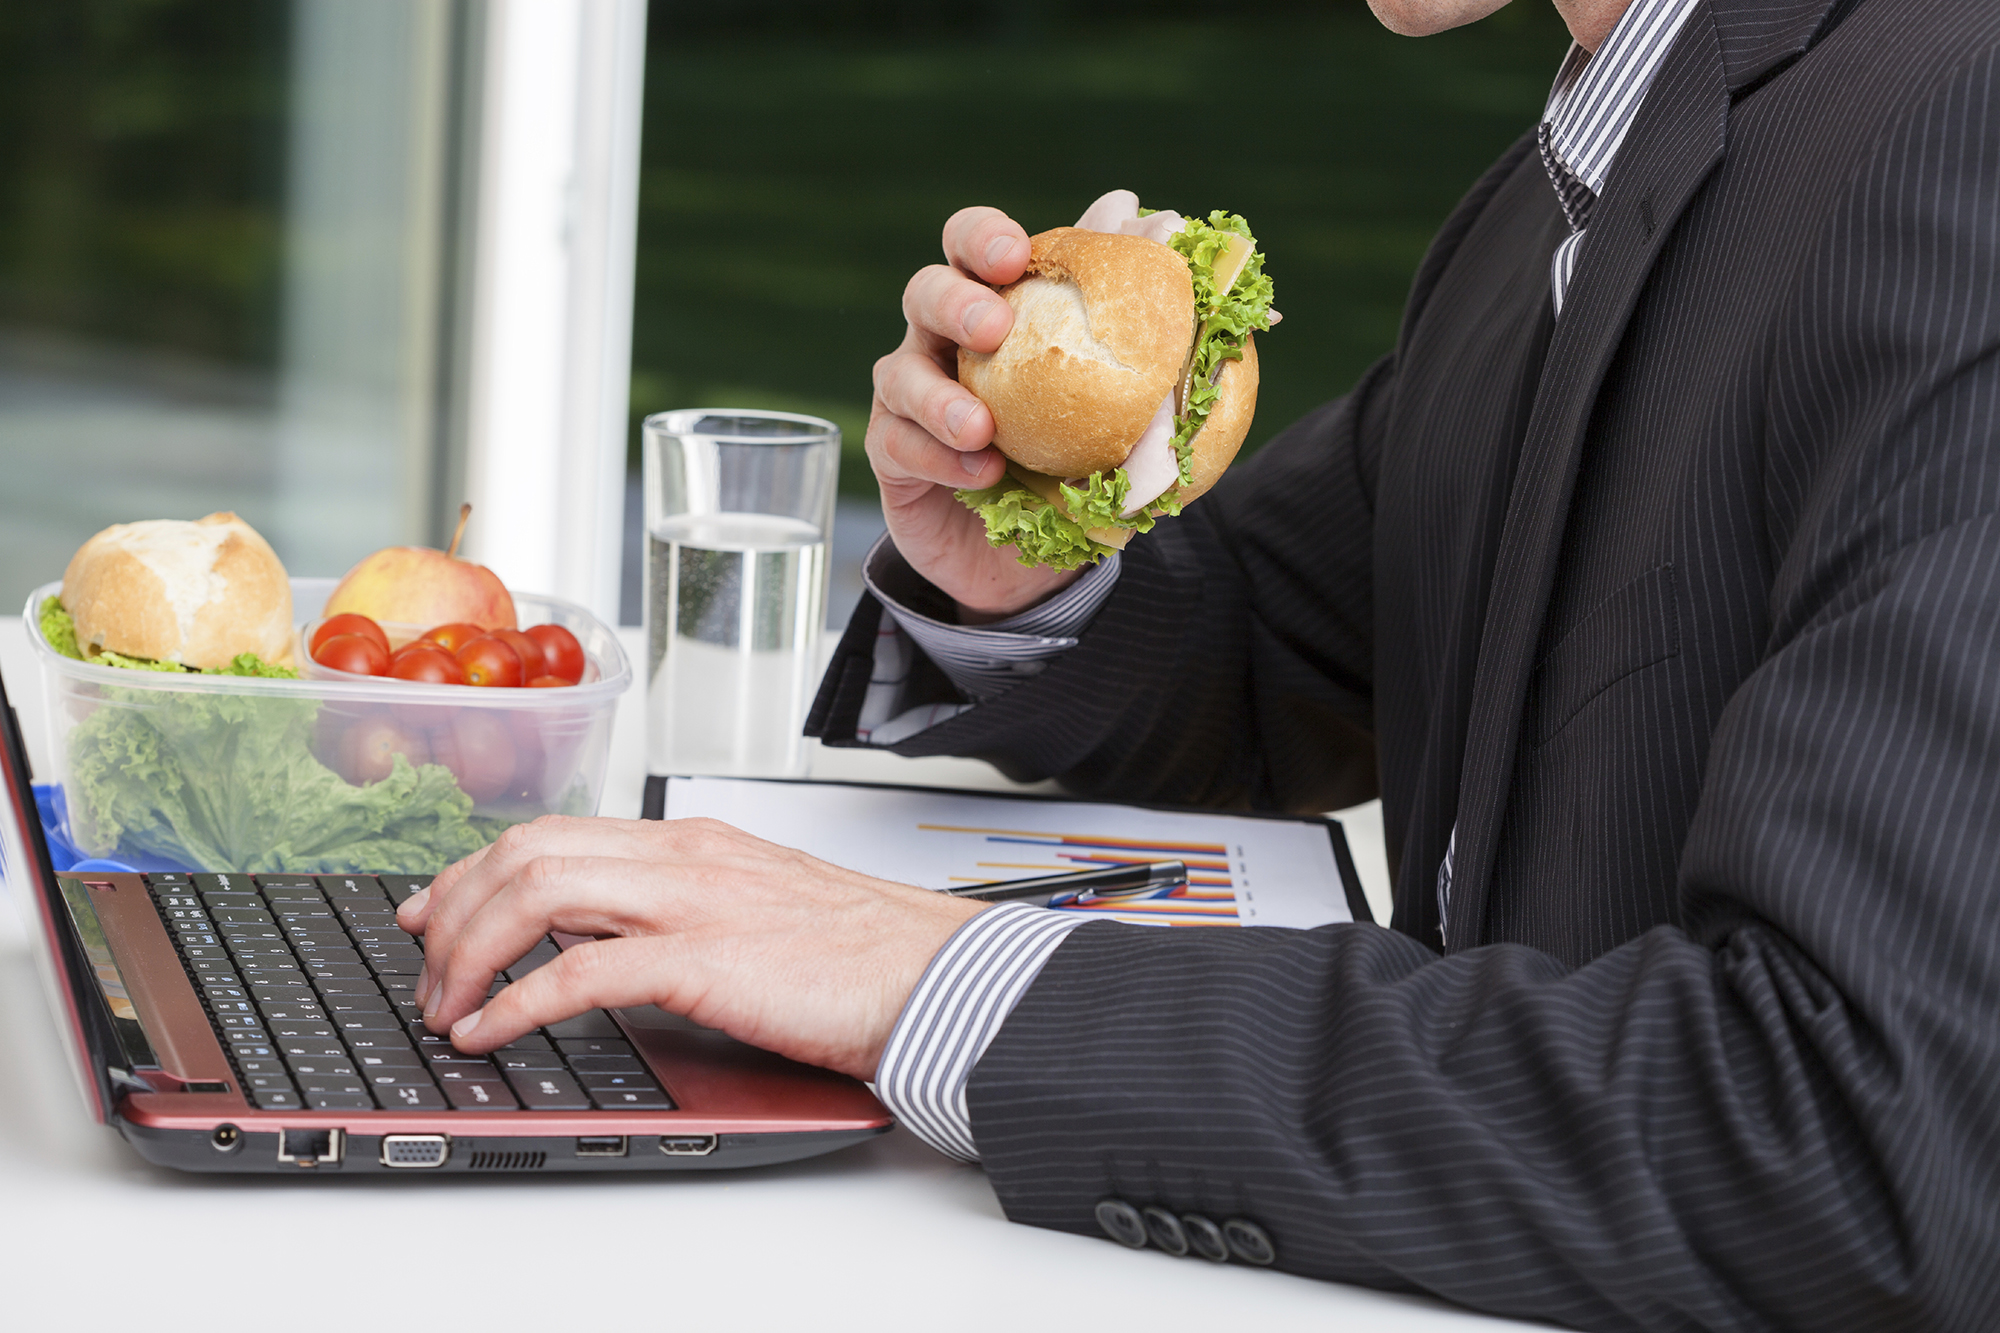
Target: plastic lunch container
x,y
333,773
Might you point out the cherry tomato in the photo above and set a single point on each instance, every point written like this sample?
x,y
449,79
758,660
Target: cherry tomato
x,y
532,663
454,636
560,650
371,746
480,753
428,663
550,683
353,652
490,661
347,623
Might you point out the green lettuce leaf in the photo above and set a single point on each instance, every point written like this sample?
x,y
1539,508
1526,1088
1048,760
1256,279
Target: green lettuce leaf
x,y
59,629
1225,320
229,782
1040,533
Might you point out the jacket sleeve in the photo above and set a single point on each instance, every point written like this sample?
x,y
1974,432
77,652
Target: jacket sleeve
x,y
1781,1115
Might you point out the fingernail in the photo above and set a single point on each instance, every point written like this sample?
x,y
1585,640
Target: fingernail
x,y
973,463
975,315
955,415
431,1005
466,1026
997,252
415,902
423,983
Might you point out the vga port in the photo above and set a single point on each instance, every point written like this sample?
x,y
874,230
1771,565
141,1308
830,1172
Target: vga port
x,y
414,1152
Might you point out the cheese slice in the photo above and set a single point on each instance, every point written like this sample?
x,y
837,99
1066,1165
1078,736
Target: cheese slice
x,y
1230,263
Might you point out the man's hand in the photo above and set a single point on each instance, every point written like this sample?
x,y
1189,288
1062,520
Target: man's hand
x,y
928,435
762,942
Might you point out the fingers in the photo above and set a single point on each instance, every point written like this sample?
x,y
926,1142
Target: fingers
x,y
951,309
928,427
604,974
987,244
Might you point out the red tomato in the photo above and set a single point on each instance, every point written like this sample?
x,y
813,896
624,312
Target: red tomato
x,y
478,750
371,746
532,664
428,663
550,683
490,661
560,650
353,652
347,623
454,636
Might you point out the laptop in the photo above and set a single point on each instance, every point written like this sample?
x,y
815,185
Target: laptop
x,y
266,1023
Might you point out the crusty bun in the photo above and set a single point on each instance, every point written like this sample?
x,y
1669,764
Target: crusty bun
x,y
1215,444
1102,327
195,593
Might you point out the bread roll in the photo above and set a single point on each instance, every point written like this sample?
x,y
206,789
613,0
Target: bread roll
x,y
197,594
1102,326
1216,443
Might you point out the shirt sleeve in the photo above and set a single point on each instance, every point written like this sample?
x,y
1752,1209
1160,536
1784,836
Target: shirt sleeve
x,y
982,661
954,1014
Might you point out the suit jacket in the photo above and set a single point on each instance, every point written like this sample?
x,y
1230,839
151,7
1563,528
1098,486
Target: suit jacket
x,y
1685,611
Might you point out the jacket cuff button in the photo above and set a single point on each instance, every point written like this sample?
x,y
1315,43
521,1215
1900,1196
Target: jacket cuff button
x,y
1205,1238
1121,1221
1249,1242
1166,1231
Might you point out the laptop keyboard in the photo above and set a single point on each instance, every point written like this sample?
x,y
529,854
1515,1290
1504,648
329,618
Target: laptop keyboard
x,y
311,987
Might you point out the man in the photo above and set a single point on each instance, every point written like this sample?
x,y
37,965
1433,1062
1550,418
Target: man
x,y
1656,579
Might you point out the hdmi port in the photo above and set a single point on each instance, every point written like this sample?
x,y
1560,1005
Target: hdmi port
x,y
687,1145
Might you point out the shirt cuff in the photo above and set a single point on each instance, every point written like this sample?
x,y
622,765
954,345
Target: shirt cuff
x,y
955,1012
984,660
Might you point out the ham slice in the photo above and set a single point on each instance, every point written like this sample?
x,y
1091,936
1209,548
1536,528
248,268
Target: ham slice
x,y
1151,467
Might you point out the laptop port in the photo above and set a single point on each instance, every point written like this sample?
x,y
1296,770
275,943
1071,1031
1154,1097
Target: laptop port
x,y
227,1138
687,1145
415,1152
310,1147
601,1145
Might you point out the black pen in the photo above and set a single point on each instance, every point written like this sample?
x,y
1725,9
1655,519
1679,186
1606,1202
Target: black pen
x,y
1105,882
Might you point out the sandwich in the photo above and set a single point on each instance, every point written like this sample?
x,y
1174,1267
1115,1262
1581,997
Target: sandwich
x,y
169,595
1127,384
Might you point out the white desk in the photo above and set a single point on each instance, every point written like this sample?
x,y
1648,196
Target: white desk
x,y
884,1236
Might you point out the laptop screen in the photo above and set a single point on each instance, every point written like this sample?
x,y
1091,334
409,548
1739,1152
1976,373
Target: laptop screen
x,y
31,883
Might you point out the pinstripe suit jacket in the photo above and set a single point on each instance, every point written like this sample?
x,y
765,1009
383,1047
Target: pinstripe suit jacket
x,y
1685,610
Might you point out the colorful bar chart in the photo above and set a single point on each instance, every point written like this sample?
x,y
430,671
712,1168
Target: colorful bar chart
x,y
1207,899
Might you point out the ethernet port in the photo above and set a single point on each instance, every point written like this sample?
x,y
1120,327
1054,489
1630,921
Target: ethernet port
x,y
310,1147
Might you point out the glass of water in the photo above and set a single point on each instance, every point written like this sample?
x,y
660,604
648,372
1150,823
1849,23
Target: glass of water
x,y
739,508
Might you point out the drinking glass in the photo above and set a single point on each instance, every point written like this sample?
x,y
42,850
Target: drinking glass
x,y
739,509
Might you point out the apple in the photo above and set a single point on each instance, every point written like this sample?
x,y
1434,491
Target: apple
x,y
416,585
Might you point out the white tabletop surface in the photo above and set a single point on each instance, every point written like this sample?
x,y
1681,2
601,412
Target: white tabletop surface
x,y
888,1235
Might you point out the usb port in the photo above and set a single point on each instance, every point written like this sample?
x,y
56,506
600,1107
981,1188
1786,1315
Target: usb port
x,y
687,1145
414,1152
601,1145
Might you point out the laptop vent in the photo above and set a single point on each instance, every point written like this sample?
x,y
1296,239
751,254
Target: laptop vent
x,y
506,1161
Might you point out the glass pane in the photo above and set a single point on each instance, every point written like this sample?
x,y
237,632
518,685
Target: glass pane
x,y
220,229
800,158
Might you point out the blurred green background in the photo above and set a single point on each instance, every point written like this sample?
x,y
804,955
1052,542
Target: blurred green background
x,y
800,160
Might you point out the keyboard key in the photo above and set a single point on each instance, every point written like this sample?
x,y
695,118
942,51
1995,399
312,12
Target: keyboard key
x,y
595,1024
606,1064
281,1015
350,886
357,1004
396,967
548,1090
245,1051
614,1082
268,967
232,902
205,968
332,1083
198,938
594,1047
313,955
465,1069
319,1069
313,1048
265,1082
277,1100
197,953
367,1022
410,1098
399,1078
237,1037
161,880
251,947
222,1008
331,986
533,1041
233,1021
403,948
377,1041
246,916
336,971
266,1066
269,882
229,883
400,887
388,1059
625,1099
340,1101
521,1061
310,1030
490,1096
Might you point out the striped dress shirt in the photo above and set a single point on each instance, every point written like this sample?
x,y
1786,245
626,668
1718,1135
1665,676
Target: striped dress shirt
x,y
989,962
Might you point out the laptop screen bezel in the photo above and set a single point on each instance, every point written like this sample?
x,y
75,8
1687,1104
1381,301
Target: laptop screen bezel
x,y
31,877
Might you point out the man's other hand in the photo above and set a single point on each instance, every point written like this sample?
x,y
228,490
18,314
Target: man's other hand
x,y
761,942
929,436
